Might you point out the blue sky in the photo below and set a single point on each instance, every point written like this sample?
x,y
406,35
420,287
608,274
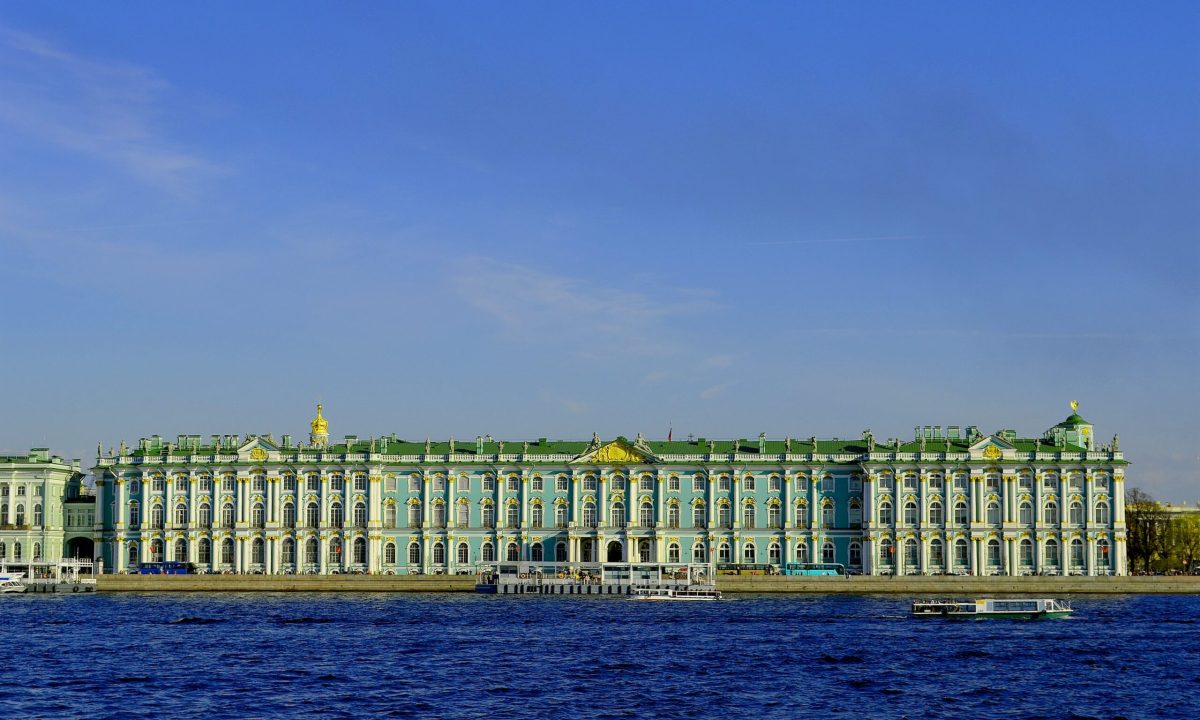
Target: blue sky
x,y
549,219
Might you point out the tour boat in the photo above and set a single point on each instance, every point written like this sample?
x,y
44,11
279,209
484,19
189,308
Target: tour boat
x,y
1013,609
694,593
11,583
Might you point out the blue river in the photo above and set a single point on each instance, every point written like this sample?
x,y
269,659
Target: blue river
x,y
468,656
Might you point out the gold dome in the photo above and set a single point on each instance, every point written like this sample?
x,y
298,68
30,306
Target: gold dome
x,y
319,425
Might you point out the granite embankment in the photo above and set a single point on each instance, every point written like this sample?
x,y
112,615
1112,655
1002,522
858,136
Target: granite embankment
x,y
965,586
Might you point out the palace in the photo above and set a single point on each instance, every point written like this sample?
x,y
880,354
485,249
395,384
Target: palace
x,y
948,501
45,511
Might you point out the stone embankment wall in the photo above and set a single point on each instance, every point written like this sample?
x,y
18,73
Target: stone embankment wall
x,y
960,586
286,583
957,586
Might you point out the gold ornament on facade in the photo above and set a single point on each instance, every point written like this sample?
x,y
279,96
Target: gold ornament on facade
x,y
258,454
991,452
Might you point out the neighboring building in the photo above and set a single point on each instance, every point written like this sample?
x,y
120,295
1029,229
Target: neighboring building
x,y
35,489
953,501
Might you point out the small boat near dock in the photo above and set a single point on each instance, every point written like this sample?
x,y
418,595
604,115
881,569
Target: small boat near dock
x,y
1009,609
11,582
69,575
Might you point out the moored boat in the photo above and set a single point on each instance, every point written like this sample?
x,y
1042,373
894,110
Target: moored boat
x,y
11,583
1012,609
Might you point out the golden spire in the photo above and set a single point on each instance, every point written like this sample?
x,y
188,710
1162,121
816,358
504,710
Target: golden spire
x,y
320,426
1074,407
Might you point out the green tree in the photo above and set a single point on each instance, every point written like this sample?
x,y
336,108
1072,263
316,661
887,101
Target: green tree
x,y
1147,523
1185,539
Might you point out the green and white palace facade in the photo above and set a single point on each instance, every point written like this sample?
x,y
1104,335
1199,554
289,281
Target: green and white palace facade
x,y
948,501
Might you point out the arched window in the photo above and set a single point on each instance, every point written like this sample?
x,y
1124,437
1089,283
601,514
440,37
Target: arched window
x,y
37,515
181,514
936,515
618,514
961,553
910,513
748,517
748,553
855,513
673,516
135,514
312,552
180,550
673,552
312,515
887,552
993,552
1051,552
156,550
911,561
856,553
288,552
646,515
389,554
37,551
439,553
589,515
560,551
335,552
414,554
724,516
773,517
131,553
536,552
1076,512
699,554
156,516
802,552
257,552
827,552
512,552
360,551
227,515
885,513
724,553
936,556
487,553
560,516
827,514
1103,558
1102,513
204,551
560,483
289,515
227,551
464,515
802,515
961,516
360,515
464,554
1025,512
1050,514
336,516
535,516
414,515
589,483
993,513
1077,560
513,516
1026,552
699,516
258,515
723,484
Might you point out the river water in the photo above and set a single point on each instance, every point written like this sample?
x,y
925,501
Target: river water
x,y
469,656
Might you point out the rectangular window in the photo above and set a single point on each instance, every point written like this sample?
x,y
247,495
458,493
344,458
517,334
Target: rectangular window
x,y
773,484
537,484
439,483
514,483
560,484
673,483
698,483
748,483
414,483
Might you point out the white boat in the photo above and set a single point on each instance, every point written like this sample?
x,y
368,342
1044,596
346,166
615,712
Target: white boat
x,y
1012,608
692,593
11,583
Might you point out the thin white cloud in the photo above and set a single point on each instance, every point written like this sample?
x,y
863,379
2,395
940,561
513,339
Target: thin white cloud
x,y
575,313
105,110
